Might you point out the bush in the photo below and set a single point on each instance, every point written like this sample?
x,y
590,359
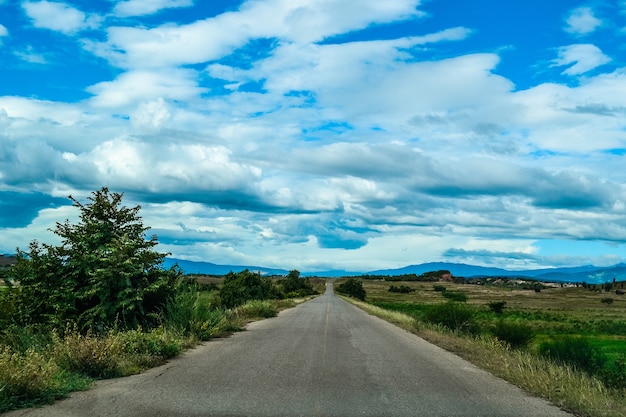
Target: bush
x,y
295,286
403,289
454,316
439,288
607,300
455,296
352,288
517,335
497,306
245,286
575,351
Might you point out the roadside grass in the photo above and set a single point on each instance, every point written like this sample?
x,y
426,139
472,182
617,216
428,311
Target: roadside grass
x,y
552,313
38,368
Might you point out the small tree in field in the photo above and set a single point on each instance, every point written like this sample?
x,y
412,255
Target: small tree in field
x,y
105,271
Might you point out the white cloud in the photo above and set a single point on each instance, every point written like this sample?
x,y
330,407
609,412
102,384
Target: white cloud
x,y
581,58
3,31
59,17
581,21
28,54
304,21
139,86
147,7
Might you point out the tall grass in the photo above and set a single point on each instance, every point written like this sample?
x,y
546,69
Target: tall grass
x,y
38,367
565,386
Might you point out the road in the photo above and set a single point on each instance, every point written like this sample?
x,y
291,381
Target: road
x,y
322,358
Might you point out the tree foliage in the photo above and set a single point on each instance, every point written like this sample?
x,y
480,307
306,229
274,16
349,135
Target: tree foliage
x,y
244,286
353,288
296,286
104,272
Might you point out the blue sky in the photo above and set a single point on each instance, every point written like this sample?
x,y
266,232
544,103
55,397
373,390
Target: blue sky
x,y
323,134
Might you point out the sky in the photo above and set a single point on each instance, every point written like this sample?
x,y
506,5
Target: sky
x,y
323,134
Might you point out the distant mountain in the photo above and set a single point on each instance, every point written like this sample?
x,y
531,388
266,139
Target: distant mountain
x,y
207,268
588,273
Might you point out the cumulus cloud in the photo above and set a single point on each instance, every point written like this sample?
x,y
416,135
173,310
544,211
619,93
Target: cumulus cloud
x,y
147,7
4,32
302,22
138,86
581,21
59,17
580,58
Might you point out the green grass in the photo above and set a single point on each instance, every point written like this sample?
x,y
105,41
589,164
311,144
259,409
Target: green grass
x,y
549,315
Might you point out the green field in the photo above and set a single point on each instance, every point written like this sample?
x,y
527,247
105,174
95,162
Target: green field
x,y
566,344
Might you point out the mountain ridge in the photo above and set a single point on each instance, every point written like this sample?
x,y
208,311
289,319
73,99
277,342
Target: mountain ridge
x,y
585,273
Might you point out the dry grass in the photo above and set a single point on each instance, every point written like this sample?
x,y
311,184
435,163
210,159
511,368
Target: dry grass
x,y
563,386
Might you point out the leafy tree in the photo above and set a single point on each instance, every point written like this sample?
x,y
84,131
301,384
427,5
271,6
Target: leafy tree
x,y
105,271
353,288
294,285
245,286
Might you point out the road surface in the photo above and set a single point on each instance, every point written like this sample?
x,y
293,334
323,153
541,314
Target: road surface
x,y
322,358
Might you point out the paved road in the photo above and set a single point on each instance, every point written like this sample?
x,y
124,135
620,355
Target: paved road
x,y
322,358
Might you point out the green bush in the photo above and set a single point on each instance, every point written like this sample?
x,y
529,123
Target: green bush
x,y
245,286
517,335
497,306
295,286
455,296
454,316
353,288
575,351
439,288
403,289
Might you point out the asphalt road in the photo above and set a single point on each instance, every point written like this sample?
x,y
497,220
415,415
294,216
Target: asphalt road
x,y
322,358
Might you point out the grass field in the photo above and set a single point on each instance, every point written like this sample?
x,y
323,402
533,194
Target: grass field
x,y
552,314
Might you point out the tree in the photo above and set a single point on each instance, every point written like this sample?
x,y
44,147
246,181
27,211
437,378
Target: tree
x,y
294,285
353,288
105,272
245,286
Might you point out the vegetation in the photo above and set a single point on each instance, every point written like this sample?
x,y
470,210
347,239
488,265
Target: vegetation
x,y
100,305
561,343
295,286
352,288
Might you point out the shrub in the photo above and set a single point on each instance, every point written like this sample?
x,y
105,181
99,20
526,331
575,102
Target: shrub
x,y
517,335
575,351
353,288
497,306
403,289
454,316
295,286
439,288
607,300
455,296
244,286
